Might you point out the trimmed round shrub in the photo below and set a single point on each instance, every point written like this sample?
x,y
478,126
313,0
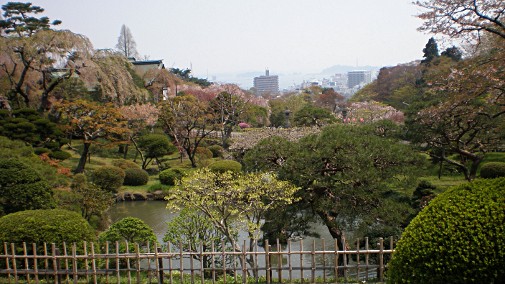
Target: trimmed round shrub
x,y
129,229
135,176
40,151
125,164
225,165
217,151
458,238
170,176
22,188
109,178
492,170
50,226
60,155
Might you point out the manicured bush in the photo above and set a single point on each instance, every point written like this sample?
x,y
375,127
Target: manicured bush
x,y
22,188
458,238
492,170
129,229
217,151
125,164
109,178
60,155
40,151
135,176
225,165
170,176
50,226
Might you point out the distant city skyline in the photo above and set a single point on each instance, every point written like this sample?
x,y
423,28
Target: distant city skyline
x,y
247,36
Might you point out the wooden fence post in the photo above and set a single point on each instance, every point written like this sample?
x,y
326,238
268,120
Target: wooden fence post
x,y
267,262
160,265
381,260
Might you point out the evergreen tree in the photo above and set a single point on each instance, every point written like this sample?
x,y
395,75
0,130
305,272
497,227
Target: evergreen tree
x,y
18,19
430,51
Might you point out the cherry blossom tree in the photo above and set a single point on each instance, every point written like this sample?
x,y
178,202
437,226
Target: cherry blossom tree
x,y
463,18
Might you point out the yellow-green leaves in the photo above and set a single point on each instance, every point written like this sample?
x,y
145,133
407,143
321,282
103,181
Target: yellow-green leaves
x,y
232,200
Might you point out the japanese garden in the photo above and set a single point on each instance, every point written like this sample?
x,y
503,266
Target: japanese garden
x,y
102,153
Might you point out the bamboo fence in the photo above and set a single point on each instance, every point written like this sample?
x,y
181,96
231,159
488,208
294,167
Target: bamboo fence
x,y
117,262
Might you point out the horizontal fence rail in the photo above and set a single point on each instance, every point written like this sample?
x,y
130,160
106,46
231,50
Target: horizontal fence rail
x,y
118,262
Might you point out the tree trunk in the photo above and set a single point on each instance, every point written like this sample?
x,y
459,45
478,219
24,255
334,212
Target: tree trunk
x,y
335,232
82,160
475,165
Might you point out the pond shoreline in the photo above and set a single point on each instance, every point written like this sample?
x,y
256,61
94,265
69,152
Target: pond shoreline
x,y
138,196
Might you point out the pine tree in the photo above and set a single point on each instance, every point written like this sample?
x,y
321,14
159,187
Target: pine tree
x,y
430,51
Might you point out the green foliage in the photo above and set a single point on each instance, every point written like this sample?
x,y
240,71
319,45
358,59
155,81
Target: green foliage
x,y
50,226
430,51
14,149
92,200
268,155
125,164
22,188
135,176
457,238
154,146
492,170
222,166
192,228
40,151
130,229
29,126
108,178
217,151
60,155
203,153
171,176
347,173
232,199
313,116
423,194
20,21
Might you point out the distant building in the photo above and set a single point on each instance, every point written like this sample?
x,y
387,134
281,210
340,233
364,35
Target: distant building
x,y
360,77
142,66
266,84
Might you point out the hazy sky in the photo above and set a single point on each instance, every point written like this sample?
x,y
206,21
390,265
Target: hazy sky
x,y
236,36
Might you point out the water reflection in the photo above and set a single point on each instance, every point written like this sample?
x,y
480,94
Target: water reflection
x,y
155,214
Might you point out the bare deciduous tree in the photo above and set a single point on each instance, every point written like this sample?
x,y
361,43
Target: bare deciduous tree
x,y
126,44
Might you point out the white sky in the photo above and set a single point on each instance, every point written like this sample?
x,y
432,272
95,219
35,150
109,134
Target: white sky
x,y
237,36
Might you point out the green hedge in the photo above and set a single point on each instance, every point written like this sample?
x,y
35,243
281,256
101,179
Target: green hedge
x,y
135,176
458,238
125,164
109,178
225,165
22,188
59,155
50,226
170,176
217,151
492,170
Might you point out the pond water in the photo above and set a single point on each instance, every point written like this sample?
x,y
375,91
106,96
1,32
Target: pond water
x,y
155,214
